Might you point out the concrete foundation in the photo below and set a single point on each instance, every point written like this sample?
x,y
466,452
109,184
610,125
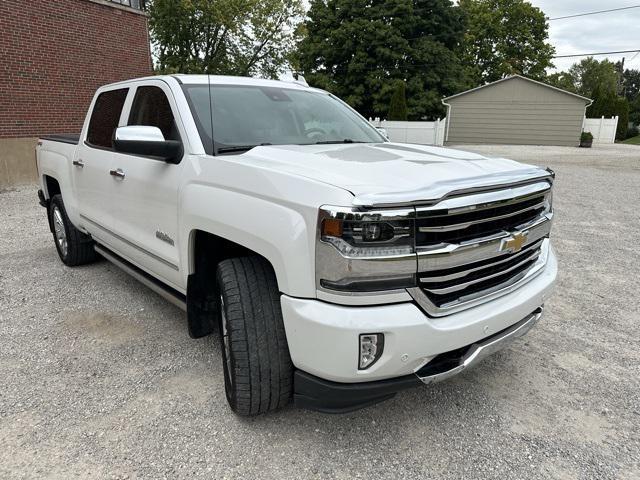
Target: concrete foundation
x,y
17,161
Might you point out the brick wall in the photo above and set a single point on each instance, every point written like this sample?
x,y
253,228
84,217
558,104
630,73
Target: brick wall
x,y
55,53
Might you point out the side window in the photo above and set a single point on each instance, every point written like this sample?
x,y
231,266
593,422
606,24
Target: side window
x,y
105,117
151,108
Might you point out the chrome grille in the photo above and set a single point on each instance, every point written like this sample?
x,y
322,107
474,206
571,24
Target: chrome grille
x,y
473,247
458,225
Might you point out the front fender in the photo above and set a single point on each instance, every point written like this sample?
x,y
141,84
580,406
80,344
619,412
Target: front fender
x,y
284,235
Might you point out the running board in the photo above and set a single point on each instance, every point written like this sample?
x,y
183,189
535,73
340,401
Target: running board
x,y
166,292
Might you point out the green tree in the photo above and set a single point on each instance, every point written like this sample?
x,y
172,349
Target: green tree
x,y
561,80
631,87
398,104
235,37
607,104
589,74
622,112
634,111
631,82
604,102
505,37
358,49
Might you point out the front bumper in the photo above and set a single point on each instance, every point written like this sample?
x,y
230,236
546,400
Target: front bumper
x,y
332,397
323,337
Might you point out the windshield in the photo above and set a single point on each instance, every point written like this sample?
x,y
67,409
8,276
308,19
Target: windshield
x,y
246,116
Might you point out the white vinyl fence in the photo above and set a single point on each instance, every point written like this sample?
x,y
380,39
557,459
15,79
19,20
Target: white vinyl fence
x,y
602,129
424,133
433,133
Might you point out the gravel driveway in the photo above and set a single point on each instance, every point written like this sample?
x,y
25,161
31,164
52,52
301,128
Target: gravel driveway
x,y
99,378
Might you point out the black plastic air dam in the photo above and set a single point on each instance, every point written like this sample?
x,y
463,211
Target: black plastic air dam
x,y
325,396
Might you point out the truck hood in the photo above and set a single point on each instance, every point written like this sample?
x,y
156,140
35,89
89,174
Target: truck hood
x,y
392,173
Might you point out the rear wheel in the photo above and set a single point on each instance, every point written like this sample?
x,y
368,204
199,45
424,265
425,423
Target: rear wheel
x,y
73,246
257,367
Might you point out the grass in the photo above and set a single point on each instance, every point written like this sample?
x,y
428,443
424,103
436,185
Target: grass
x,y
633,140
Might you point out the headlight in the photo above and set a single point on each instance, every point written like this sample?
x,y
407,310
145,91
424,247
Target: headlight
x,y
365,251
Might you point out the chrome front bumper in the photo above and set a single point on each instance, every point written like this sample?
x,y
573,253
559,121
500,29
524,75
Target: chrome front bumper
x,y
437,370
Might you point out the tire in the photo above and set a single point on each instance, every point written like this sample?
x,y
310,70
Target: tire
x,y
258,373
74,247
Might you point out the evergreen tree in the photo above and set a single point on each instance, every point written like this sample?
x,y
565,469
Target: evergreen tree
x,y
622,112
607,104
604,102
398,104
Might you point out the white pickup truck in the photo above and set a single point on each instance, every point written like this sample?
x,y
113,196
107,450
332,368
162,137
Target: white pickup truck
x,y
339,267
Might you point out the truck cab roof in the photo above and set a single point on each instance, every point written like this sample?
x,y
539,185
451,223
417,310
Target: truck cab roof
x,y
193,79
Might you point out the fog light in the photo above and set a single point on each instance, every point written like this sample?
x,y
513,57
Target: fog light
x,y
371,347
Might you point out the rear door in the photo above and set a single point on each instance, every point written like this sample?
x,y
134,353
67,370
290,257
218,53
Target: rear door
x,y
92,163
145,201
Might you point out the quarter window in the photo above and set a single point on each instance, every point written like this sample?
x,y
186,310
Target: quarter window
x,y
151,108
105,117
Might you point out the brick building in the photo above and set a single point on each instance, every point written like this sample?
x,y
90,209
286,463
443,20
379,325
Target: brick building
x,y
53,56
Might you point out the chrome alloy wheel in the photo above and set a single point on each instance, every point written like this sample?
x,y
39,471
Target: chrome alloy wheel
x,y
60,231
226,341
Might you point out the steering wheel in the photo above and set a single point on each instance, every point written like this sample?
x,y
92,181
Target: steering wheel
x,y
311,131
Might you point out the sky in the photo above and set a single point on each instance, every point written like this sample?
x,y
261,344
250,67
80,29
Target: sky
x,y
594,33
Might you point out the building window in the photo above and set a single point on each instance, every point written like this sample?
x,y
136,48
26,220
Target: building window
x,y
137,4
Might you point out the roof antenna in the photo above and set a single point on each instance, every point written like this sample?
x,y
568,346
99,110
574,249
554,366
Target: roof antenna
x,y
293,77
299,78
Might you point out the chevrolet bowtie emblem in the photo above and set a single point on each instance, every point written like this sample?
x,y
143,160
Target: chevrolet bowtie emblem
x,y
514,243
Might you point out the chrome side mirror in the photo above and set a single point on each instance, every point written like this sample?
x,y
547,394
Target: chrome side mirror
x,y
147,141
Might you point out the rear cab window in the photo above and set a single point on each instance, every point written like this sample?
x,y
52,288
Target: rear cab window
x,y
105,117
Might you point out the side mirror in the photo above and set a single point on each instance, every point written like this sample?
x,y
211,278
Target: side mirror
x,y
147,141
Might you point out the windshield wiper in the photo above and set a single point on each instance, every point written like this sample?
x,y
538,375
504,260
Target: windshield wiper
x,y
239,148
346,140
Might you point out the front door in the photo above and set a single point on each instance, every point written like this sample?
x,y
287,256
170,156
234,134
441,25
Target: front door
x,y
145,201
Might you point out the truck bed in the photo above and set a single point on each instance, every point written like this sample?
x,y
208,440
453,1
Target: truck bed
x,y
72,138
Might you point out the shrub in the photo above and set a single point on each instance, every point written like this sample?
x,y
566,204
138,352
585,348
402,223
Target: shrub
x,y
632,132
586,137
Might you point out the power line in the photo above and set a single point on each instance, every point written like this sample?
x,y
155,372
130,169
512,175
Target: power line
x,y
594,54
594,13
632,58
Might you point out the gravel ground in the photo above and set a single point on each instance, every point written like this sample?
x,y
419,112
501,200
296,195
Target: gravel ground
x,y
100,379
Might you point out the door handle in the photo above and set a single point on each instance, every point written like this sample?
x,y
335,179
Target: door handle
x,y
117,173
78,163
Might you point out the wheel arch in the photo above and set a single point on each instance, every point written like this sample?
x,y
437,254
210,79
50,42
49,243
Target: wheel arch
x,y
51,186
206,251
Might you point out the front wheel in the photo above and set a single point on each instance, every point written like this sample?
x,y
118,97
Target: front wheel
x,y
258,373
